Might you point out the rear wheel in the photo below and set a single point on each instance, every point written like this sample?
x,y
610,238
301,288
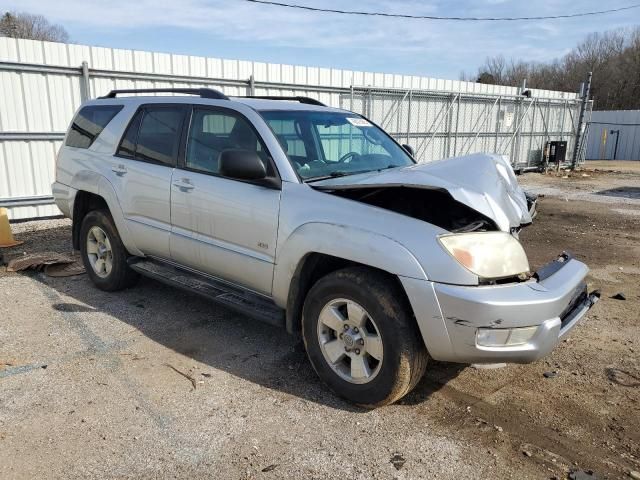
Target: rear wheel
x,y
103,253
361,337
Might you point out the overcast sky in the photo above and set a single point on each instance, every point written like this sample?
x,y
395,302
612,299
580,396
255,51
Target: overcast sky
x,y
242,30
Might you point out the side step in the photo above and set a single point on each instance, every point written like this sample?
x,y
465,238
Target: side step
x,y
235,298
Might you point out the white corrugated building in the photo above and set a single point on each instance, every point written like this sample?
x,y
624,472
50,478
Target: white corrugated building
x,y
43,83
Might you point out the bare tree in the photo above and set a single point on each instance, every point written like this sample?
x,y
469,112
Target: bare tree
x,y
34,27
613,57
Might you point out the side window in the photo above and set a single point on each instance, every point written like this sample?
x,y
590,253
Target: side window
x,y
159,135
213,131
287,133
89,123
127,146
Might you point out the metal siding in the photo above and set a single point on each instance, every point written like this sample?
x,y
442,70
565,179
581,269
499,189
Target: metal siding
x,y
43,102
627,121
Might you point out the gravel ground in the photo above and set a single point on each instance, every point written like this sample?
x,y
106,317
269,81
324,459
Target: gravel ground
x,y
98,385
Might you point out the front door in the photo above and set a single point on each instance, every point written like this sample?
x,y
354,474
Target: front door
x,y
221,226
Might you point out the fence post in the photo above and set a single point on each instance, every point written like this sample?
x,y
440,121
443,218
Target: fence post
x,y
85,91
252,85
455,139
351,95
409,116
583,107
532,133
498,123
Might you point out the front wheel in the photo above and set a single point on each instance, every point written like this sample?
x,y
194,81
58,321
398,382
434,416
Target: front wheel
x,y
103,253
361,337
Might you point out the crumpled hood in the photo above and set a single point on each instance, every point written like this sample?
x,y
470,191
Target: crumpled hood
x,y
484,182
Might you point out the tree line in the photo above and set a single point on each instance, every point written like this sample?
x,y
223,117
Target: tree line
x,y
613,57
34,27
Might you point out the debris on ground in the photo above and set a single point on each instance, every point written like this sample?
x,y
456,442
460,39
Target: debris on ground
x,y
635,475
397,461
582,475
526,453
64,270
550,374
270,467
6,363
622,378
185,375
619,296
52,263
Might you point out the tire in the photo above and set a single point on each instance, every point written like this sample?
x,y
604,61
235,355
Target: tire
x,y
119,275
386,320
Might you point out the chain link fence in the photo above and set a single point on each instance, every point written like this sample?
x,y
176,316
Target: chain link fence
x,y
445,124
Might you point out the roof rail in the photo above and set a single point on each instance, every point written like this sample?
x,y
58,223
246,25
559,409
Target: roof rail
x,y
307,100
202,92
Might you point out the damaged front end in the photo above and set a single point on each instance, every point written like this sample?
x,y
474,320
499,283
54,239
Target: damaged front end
x,y
508,314
462,194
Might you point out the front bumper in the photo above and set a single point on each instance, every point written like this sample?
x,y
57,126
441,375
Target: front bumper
x,y
449,316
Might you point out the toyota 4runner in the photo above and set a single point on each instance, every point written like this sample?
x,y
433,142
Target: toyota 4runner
x,y
314,219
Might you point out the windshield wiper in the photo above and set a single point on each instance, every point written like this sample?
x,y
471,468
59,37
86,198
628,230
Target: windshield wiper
x,y
343,173
335,174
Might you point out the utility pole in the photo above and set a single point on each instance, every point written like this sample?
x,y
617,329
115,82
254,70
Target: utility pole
x,y
579,131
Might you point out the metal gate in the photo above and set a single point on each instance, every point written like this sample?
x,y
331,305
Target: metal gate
x,y
444,124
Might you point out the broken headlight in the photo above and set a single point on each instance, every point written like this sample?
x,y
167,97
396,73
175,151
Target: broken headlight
x,y
490,255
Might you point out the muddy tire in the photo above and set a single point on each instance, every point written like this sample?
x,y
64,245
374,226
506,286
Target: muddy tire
x,y
361,337
103,253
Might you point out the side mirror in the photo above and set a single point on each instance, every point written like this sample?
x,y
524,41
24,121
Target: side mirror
x,y
241,164
408,149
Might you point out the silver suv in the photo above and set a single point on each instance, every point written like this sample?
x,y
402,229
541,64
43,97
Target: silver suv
x,y
314,219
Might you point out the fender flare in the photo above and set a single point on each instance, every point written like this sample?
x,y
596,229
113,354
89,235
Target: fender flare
x,y
345,242
97,184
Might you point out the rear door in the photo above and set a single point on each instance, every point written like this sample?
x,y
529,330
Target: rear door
x,y
142,170
222,226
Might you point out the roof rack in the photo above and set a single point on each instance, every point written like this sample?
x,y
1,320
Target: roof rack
x,y
307,100
202,92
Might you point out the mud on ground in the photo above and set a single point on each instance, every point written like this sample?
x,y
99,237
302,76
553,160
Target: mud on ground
x,y
98,385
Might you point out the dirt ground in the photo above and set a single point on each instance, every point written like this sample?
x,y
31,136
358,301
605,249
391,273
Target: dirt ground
x,y
623,166
94,385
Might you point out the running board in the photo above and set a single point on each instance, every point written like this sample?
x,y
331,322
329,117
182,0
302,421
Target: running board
x,y
235,298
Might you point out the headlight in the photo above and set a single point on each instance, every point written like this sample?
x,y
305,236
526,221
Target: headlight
x,y
489,255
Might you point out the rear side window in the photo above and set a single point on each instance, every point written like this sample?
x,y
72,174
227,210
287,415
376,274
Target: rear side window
x,y
89,123
154,135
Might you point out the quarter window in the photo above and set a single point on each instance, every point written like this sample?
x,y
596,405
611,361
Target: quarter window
x,y
128,144
89,123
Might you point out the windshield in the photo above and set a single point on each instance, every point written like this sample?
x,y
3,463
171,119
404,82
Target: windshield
x,y
330,144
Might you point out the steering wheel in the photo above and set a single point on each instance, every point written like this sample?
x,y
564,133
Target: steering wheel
x,y
348,156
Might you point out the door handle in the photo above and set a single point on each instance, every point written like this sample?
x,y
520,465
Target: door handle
x,y
119,169
184,184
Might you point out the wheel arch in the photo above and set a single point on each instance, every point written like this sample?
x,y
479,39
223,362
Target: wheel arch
x,y
316,249
100,195
312,268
